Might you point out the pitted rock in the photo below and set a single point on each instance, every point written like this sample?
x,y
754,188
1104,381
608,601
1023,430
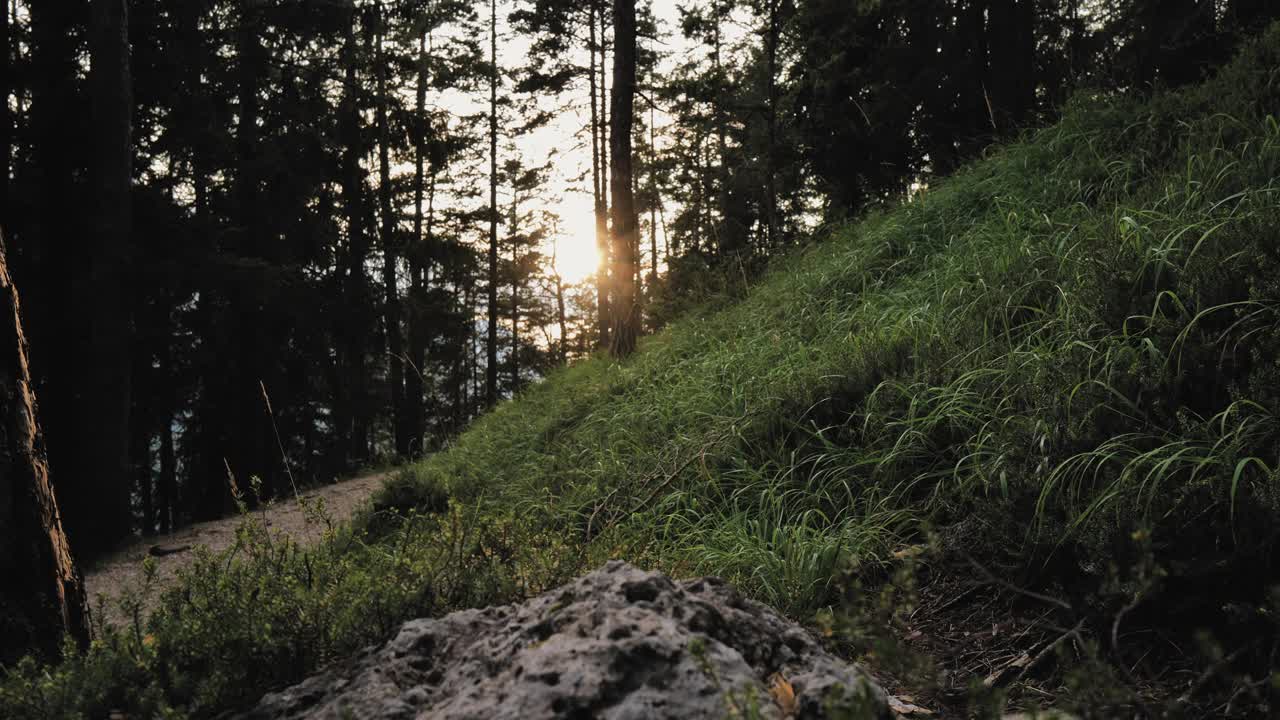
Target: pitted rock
x,y
618,643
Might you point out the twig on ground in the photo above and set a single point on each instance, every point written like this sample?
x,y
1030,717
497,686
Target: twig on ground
x,y
1021,591
1210,671
1044,652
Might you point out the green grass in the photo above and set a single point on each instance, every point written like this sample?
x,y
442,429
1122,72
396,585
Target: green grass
x,y
1076,339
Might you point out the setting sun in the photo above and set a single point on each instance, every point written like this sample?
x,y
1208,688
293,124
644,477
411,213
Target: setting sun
x,y
575,245
577,258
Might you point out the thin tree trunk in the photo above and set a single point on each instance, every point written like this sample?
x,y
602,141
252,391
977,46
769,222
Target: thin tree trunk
x,y
654,198
206,475
560,305
6,122
249,336
605,124
43,596
103,420
391,306
598,172
141,453
417,341
491,372
168,475
514,231
166,484
353,428
54,248
773,37
626,310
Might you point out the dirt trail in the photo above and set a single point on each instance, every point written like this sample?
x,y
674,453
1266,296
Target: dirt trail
x,y
123,569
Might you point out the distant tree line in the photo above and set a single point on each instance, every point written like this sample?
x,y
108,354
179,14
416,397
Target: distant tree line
x,y
789,112
263,239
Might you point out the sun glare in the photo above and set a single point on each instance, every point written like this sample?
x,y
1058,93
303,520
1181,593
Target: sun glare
x,y
576,255
577,258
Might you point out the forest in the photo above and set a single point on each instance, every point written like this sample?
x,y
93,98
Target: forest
x,y
526,255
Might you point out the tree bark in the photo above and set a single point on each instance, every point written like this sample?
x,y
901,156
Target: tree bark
x,y
42,597
352,406
166,484
6,121
491,349
413,386
102,423
1011,23
206,476
655,197
599,161
141,453
626,311
50,254
773,34
250,336
514,231
391,306
560,306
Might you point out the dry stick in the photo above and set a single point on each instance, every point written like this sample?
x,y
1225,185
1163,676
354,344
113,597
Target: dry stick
x,y
1044,652
1210,671
604,503
283,456
668,479
1010,586
700,453
1115,632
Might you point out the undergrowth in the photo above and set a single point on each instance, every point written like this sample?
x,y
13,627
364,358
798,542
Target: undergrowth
x,y
1068,353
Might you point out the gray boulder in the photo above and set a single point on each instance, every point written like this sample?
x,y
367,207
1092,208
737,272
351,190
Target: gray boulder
x,y
617,643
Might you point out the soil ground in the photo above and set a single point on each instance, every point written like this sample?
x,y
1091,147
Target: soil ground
x,y
122,569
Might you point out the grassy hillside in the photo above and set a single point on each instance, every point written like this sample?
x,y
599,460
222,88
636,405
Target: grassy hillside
x,y
1063,360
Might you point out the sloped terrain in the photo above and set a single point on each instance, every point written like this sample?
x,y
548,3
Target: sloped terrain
x,y
1049,383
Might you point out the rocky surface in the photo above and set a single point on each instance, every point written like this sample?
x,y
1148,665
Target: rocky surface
x,y
617,643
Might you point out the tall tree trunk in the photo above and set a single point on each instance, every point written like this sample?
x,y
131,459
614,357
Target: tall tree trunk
x,y
1011,23
166,484
6,121
249,335
979,124
599,169
491,354
391,306
773,35
167,487
413,389
654,196
50,253
103,420
42,596
141,453
514,231
626,311
930,33
207,474
605,125
560,306
354,429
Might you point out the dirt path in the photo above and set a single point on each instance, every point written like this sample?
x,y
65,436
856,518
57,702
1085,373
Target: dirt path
x,y
122,569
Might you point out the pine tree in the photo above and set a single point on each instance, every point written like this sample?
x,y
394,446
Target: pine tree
x,y
625,304
42,597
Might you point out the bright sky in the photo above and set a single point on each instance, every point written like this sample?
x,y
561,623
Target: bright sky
x,y
571,157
